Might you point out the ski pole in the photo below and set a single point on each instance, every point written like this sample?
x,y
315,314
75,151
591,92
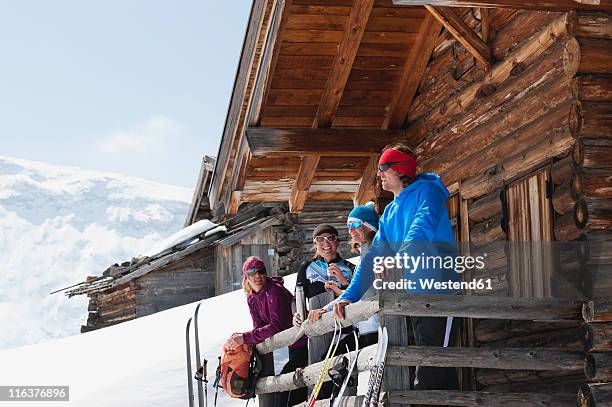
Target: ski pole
x,y
204,365
216,385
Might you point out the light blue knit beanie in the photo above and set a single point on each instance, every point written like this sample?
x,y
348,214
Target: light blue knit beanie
x,y
365,213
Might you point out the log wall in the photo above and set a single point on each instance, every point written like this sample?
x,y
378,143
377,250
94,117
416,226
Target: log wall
x,y
181,282
545,107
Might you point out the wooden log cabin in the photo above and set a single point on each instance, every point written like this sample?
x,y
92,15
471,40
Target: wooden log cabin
x,y
510,101
192,271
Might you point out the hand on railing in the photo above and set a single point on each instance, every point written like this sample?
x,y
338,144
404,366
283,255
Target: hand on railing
x,y
316,314
339,309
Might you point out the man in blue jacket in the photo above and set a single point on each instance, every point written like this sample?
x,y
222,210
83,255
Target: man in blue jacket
x,y
415,224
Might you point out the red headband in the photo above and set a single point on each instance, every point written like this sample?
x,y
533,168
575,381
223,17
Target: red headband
x,y
408,163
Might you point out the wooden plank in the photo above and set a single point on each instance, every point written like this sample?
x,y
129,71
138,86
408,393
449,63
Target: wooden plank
x,y
394,24
367,186
341,68
306,173
489,358
316,22
238,97
480,398
413,71
540,309
556,5
265,141
485,25
463,33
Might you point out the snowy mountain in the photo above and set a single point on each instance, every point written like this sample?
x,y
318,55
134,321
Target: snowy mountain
x,y
136,363
61,224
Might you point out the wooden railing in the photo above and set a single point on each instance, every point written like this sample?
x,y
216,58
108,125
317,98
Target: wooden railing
x,y
509,308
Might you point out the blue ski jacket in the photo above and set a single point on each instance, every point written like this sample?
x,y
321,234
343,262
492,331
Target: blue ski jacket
x,y
416,223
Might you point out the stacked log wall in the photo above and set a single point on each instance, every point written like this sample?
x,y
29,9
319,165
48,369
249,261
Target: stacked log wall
x,y
545,103
294,238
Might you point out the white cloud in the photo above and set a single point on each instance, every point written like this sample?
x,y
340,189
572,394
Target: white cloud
x,y
151,136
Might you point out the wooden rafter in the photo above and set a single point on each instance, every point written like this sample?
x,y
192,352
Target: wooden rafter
x,y
463,33
367,186
343,63
332,94
306,173
243,155
413,71
485,25
328,142
551,5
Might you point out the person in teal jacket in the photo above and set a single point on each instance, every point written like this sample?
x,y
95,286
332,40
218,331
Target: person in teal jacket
x,y
414,224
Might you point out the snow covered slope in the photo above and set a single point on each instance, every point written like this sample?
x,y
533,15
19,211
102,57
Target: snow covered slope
x,y
134,364
60,224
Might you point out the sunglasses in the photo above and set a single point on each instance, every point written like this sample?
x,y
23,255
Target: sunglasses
x,y
322,239
384,167
252,272
356,224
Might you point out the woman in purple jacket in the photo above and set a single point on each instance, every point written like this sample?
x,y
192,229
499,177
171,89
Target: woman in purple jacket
x,y
270,306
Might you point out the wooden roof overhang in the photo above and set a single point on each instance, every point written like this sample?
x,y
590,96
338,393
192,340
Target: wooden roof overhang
x,y
323,85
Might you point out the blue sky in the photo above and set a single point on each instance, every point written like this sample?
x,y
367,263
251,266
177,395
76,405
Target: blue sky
x,y
139,87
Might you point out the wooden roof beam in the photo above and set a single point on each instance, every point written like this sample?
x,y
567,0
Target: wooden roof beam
x,y
463,33
367,186
304,177
413,72
551,5
336,81
328,142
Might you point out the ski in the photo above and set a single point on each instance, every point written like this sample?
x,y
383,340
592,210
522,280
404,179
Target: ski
x,y
189,377
380,370
197,352
326,363
366,399
352,364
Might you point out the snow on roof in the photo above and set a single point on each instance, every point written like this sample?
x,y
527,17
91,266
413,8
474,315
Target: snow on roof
x,y
182,236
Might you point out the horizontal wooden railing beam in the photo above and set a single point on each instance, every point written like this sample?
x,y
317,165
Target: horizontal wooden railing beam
x,y
357,312
487,358
308,376
480,398
535,309
329,142
552,5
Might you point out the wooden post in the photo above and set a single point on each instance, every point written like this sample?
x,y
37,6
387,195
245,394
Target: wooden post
x,y
396,378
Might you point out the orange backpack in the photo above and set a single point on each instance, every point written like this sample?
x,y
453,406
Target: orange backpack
x,y
238,371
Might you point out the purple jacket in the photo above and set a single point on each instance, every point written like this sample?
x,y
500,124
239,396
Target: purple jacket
x,y
271,312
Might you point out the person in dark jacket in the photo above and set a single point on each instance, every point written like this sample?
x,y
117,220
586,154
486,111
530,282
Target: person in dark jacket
x,y
270,307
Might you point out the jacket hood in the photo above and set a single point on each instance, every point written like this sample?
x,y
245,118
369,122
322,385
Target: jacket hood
x,y
427,177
